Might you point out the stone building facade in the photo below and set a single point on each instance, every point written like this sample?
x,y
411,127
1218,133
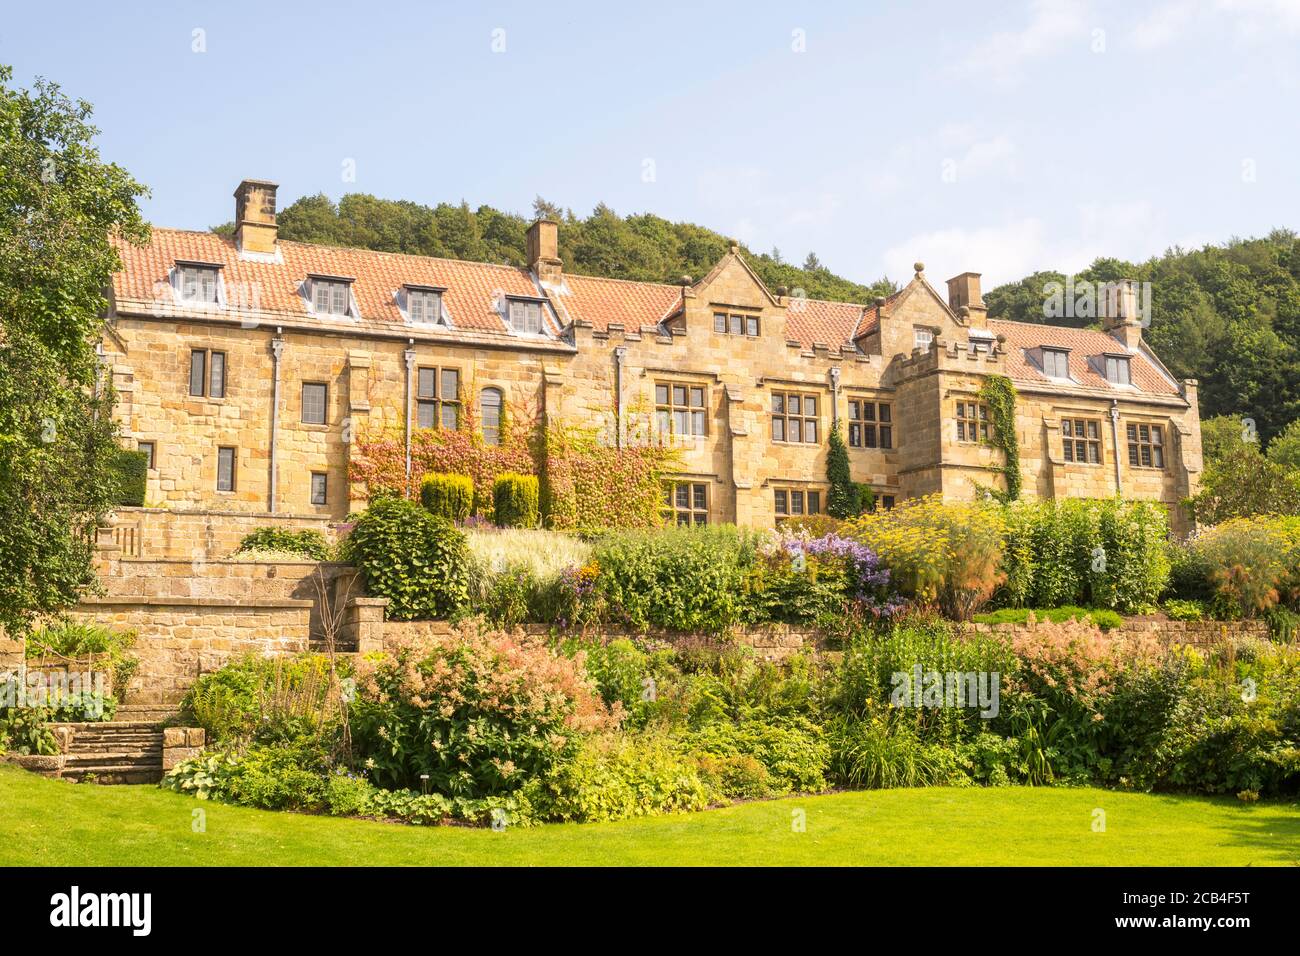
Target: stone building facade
x,y
245,365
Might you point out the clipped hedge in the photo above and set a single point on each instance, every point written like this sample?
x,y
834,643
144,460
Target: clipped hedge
x,y
132,471
418,561
515,500
448,496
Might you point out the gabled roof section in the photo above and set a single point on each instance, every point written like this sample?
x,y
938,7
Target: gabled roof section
x,y
733,255
1083,346
275,286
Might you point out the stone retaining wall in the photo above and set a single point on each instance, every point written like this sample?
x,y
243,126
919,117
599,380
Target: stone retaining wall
x,y
1193,633
770,642
180,638
199,535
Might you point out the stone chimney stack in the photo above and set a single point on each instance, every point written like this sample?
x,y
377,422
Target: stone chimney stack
x,y
543,250
1122,312
964,292
255,229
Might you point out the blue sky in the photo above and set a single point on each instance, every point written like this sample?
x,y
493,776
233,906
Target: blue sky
x,y
995,137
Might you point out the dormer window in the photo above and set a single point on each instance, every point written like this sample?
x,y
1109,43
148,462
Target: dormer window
x,y
525,316
331,296
1117,370
1056,363
424,305
197,282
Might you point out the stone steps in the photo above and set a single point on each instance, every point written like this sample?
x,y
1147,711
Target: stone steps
x,y
112,752
153,714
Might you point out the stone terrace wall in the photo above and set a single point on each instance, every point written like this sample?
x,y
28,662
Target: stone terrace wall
x,y
199,535
193,616
1194,633
180,638
771,643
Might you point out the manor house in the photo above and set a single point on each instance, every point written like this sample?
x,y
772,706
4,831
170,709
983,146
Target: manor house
x,y
246,364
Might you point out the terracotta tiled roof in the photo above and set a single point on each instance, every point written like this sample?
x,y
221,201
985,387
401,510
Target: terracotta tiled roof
x,y
603,302
870,320
1084,345
816,320
472,287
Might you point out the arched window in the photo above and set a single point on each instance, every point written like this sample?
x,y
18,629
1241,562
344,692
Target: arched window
x,y
489,407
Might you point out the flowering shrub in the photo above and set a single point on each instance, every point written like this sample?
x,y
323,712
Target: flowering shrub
x,y
473,713
937,553
378,461
802,578
791,751
1250,565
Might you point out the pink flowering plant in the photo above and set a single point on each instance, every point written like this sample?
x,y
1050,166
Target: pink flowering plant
x,y
472,713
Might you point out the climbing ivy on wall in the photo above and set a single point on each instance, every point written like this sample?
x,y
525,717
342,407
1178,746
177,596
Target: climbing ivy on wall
x,y
378,460
586,483
1000,396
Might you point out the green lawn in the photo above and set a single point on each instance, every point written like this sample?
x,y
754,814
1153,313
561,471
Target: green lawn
x,y
44,822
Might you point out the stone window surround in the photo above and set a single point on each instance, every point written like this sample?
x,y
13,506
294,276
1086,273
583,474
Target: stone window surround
x,y
206,395
324,405
671,408
324,488
234,469
785,416
1074,419
879,425
965,429
737,320
1152,445
151,448
695,511
811,498
435,399
484,428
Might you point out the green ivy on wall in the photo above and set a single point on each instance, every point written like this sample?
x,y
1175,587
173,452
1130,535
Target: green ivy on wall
x,y
1000,396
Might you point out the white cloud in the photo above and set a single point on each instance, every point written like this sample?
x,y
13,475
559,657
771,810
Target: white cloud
x,y
1052,24
1250,20
1256,18
988,156
1018,247
1160,26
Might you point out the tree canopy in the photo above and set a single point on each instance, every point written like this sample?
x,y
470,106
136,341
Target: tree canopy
x,y
1227,315
59,204
639,246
